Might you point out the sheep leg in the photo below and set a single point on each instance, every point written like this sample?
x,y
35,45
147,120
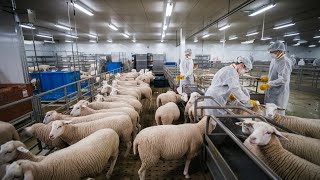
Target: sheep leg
x,y
113,163
186,169
128,144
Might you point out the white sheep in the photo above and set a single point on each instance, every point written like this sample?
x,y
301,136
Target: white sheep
x,y
169,142
303,126
8,132
284,163
72,133
171,96
144,78
127,83
128,89
192,99
14,150
124,92
200,113
133,102
41,131
167,113
87,157
54,115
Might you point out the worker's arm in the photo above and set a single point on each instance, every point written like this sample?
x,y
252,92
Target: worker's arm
x,y
283,75
235,88
190,68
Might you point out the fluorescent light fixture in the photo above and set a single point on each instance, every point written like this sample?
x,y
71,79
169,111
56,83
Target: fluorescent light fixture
x,y
302,41
316,37
113,27
46,41
284,25
44,35
196,40
233,38
252,34
27,26
205,36
72,36
93,36
165,27
296,39
247,42
93,41
62,27
262,9
266,38
161,40
291,34
109,40
68,41
125,35
133,40
82,9
222,40
224,27
312,45
169,9
297,44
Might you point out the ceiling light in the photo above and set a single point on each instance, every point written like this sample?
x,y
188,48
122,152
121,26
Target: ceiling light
x,y
125,35
312,45
252,34
62,27
82,9
233,38
72,36
297,44
266,38
296,39
316,37
165,27
291,34
169,9
93,41
93,36
247,42
133,40
44,35
262,9
113,27
109,40
68,41
196,40
224,27
205,36
161,40
222,40
46,41
27,26
302,41
284,25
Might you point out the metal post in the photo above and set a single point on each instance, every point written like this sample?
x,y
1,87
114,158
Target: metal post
x,y
66,96
79,90
38,114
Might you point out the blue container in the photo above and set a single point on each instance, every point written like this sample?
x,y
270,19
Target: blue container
x,y
113,66
170,63
160,81
51,80
35,75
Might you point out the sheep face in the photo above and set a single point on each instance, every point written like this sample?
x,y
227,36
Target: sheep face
x,y
105,89
184,97
14,171
262,133
50,116
193,97
99,98
76,108
246,126
10,150
57,129
271,110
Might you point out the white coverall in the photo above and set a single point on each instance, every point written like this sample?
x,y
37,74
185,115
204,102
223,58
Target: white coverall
x,y
186,68
225,82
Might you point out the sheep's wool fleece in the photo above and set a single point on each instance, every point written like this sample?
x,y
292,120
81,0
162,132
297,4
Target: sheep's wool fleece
x,y
87,157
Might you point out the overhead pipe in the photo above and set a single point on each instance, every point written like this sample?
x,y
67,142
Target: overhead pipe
x,y
236,9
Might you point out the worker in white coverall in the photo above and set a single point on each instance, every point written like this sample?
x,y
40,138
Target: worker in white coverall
x,y
226,82
278,86
186,70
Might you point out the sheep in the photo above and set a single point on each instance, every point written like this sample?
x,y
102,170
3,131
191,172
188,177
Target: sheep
x,y
167,113
8,132
193,97
306,127
14,150
127,83
133,102
87,157
54,115
128,89
284,163
124,92
144,78
41,131
169,142
171,96
100,105
82,110
200,113
304,147
72,133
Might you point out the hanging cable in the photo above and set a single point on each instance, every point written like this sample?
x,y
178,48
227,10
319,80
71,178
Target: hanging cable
x,y
76,34
74,63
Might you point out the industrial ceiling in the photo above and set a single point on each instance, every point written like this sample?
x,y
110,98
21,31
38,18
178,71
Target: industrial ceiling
x,y
144,19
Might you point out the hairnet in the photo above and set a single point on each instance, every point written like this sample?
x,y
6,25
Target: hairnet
x,y
277,46
188,51
247,62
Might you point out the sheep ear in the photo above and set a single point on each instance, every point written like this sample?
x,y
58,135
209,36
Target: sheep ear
x,y
28,175
279,134
249,124
239,123
22,149
67,122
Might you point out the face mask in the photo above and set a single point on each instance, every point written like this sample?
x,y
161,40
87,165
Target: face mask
x,y
273,56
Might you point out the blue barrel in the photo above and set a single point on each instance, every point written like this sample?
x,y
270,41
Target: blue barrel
x,y
170,63
113,66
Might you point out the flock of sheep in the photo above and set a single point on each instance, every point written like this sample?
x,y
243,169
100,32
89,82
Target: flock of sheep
x,y
89,137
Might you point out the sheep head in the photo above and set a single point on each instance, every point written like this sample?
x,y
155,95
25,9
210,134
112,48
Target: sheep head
x,y
133,70
57,128
9,151
246,126
193,97
262,133
271,110
99,98
76,108
50,116
18,170
184,97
